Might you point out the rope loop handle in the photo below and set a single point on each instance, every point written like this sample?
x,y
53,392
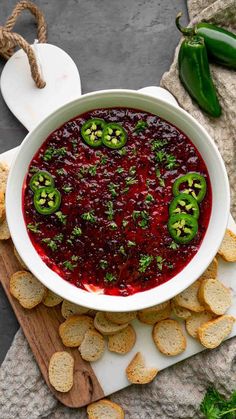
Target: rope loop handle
x,y
10,40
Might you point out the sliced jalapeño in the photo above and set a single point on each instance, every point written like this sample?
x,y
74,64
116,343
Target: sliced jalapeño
x,y
193,184
184,204
47,200
92,130
182,228
114,136
41,179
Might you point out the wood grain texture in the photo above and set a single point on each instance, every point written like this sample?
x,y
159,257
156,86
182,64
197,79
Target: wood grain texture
x,y
40,326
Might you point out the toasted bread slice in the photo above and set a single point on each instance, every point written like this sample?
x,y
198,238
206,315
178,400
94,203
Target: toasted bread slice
x,y
169,338
105,409
215,296
4,170
73,330
105,326
212,333
189,298
51,299
60,371
195,321
180,312
138,373
121,318
4,231
211,271
228,247
23,265
2,206
68,309
92,346
122,342
148,316
27,289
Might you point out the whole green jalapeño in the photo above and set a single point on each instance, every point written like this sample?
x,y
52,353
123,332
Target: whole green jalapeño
x,y
47,200
191,184
182,228
41,179
114,136
92,131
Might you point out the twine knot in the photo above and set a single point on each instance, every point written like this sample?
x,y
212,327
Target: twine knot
x,y
10,40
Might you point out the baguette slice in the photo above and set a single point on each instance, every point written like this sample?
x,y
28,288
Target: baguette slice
x,y
4,170
27,289
20,260
138,373
181,312
105,326
189,298
122,342
51,299
211,271
68,309
92,346
151,317
195,321
169,338
105,409
2,206
60,371
215,296
4,230
73,330
212,333
121,317
228,247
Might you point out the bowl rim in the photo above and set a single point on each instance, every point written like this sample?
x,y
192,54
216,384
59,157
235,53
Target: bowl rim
x,y
106,302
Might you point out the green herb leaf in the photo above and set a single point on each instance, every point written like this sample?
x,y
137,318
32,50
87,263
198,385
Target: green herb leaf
x,y
125,223
122,151
110,210
173,245
112,187
76,232
58,237
136,214
51,152
122,250
130,243
89,216
160,156
216,406
61,171
149,198
61,217
144,262
130,180
103,264
69,265
103,159
132,170
67,188
158,144
160,261
140,126
33,227
113,225
50,243
145,219
161,180
92,170
171,162
120,170
109,277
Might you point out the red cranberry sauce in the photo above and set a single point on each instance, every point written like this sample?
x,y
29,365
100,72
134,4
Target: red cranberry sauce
x,y
124,246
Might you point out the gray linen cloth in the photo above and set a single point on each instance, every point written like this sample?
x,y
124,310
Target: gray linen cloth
x,y
177,391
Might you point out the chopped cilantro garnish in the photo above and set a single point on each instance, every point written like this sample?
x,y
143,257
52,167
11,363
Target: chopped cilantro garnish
x,y
103,264
157,144
51,152
130,181
69,265
161,180
160,261
67,188
33,169
89,216
173,245
110,210
109,277
61,217
112,189
120,170
144,262
113,225
136,214
122,151
140,126
160,156
145,219
130,243
133,151
76,232
92,170
33,227
122,250
149,198
50,243
125,223
125,190
132,170
171,162
74,258
61,171
169,265
103,159
58,237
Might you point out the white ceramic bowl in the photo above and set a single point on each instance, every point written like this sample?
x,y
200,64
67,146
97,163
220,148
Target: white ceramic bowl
x,y
213,236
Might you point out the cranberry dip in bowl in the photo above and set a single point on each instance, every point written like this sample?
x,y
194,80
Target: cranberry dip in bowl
x,y
117,201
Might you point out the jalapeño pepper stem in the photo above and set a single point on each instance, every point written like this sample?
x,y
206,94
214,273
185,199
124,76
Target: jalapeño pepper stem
x,y
185,31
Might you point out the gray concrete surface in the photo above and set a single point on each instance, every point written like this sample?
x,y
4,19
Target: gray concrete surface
x,y
115,43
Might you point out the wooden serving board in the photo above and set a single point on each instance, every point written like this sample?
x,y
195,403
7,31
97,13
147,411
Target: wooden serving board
x,y
40,327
